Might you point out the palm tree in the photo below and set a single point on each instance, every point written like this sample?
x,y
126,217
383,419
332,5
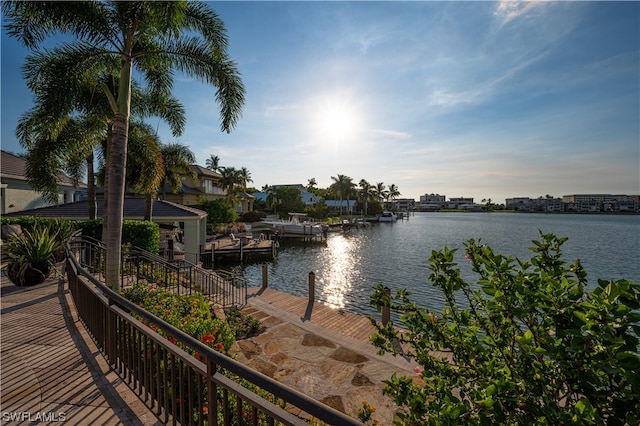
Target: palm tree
x,y
212,163
64,139
366,194
156,38
392,193
342,186
245,176
178,160
230,180
312,184
380,192
272,197
145,165
66,147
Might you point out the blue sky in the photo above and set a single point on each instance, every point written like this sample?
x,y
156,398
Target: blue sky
x,y
475,99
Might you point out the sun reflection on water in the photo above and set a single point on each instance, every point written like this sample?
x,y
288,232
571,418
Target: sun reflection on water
x,y
339,272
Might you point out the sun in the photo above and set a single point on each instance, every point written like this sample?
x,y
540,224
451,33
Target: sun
x,y
336,118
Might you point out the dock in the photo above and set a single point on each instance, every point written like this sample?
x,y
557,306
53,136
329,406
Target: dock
x,y
241,248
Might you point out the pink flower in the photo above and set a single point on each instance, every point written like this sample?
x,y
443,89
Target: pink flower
x,y
418,370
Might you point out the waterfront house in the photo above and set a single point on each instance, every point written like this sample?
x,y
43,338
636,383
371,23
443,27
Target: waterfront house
x,y
205,186
17,195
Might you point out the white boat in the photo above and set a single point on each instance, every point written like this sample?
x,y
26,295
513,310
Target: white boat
x,y
297,225
387,217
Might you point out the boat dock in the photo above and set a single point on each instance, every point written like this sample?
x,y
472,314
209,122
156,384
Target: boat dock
x,y
241,247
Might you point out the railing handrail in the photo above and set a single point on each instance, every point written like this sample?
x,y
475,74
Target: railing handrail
x,y
125,308
234,287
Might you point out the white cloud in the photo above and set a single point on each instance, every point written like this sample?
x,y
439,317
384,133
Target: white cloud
x,y
510,10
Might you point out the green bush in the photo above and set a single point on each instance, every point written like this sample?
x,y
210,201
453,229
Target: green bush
x,y
143,234
218,211
92,228
254,216
188,313
526,345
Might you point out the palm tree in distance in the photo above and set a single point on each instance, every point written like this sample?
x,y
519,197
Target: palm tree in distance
x,y
230,181
366,194
213,163
245,176
380,192
312,184
145,165
392,192
178,162
343,186
155,38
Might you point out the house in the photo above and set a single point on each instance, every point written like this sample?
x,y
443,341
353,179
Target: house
x,y
205,186
309,199
344,206
16,193
193,222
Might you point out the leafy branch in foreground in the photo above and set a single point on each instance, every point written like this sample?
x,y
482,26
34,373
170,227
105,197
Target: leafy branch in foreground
x,y
527,344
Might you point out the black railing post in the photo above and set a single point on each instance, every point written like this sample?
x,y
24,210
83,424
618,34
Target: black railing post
x,y
386,311
312,286
265,279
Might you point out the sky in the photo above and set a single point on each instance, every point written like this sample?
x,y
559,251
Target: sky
x,y
464,99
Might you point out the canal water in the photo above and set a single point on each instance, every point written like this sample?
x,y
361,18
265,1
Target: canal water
x,y
349,264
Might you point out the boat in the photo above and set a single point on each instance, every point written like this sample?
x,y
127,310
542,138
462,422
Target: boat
x,y
387,217
297,225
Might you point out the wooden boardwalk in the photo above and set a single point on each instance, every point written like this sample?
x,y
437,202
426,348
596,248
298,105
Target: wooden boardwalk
x,y
51,371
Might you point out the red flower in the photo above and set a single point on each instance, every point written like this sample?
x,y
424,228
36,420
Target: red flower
x,y
208,338
205,410
220,346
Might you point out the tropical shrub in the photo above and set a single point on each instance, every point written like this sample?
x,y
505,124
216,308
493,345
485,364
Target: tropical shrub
x,y
31,255
527,344
218,211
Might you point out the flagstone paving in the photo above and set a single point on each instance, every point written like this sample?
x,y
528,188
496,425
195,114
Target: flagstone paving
x,y
315,354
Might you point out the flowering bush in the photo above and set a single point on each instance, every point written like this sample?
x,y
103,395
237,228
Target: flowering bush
x,y
190,314
526,345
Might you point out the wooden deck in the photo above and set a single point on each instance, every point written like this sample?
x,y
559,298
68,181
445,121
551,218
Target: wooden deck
x,y
241,248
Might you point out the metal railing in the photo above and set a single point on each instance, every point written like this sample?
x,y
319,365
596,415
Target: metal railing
x,y
176,275
181,379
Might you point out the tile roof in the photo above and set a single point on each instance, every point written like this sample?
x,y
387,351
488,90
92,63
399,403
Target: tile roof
x,y
14,167
203,171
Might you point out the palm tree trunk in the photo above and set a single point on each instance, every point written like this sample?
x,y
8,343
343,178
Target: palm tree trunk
x,y
117,169
105,207
148,206
91,188
115,199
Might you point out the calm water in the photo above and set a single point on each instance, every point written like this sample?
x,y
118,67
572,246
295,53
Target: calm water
x,y
349,264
